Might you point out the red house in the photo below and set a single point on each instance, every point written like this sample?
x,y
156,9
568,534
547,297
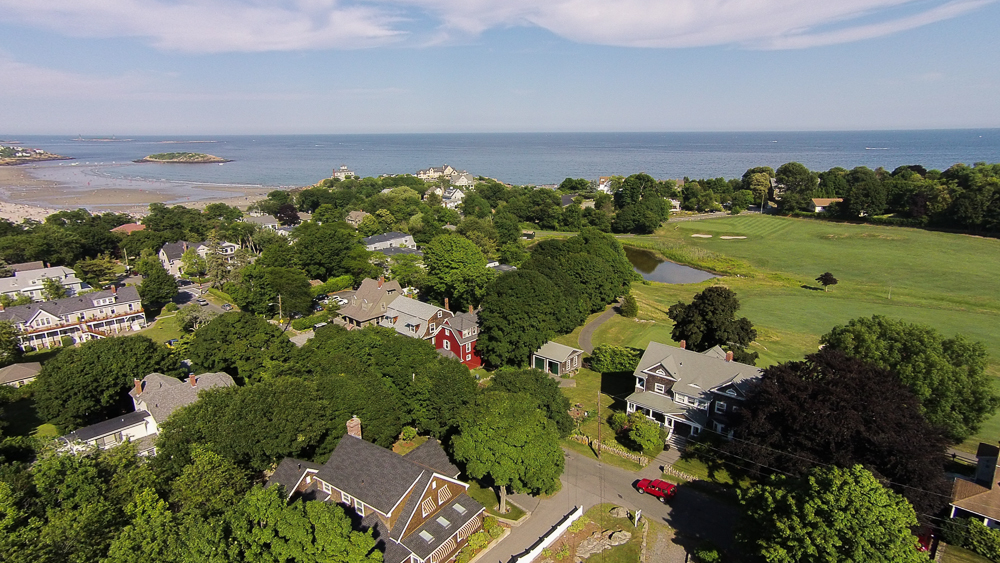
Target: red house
x,y
457,339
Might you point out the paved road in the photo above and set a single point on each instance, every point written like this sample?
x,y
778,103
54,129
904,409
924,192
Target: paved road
x,y
190,294
588,482
588,331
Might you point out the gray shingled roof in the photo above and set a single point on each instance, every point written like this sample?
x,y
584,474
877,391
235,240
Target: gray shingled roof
x,y
390,252
107,427
697,374
371,473
375,239
163,394
437,530
362,306
19,372
67,305
289,472
461,323
432,456
394,552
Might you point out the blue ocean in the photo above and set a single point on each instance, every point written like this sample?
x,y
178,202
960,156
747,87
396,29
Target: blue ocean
x,y
530,158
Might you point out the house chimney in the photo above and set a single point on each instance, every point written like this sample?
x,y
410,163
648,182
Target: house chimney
x,y
470,309
184,245
114,289
193,380
381,280
47,265
684,344
729,356
354,427
138,387
446,304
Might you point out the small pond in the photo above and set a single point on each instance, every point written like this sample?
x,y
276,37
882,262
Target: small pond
x,y
652,268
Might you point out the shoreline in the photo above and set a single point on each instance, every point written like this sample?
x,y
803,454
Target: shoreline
x,y
23,195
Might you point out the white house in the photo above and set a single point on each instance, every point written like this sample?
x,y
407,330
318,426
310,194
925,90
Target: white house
x,y
452,198
82,317
389,240
155,398
343,173
172,252
30,282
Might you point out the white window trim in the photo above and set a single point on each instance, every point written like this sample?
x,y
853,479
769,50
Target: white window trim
x,y
720,406
659,388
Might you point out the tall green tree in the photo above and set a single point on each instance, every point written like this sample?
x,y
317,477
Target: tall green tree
x,y
946,374
97,272
53,289
456,269
192,264
710,320
158,287
830,515
543,388
240,344
10,343
505,437
520,312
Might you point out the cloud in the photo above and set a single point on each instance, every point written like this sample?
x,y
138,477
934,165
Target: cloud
x,y
207,26
288,25
22,80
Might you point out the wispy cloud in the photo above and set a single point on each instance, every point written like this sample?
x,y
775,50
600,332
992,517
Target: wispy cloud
x,y
214,25
286,25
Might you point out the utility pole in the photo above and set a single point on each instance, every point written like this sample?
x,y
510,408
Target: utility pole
x,y
598,424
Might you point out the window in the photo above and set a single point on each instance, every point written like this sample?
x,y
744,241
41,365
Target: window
x,y
443,495
658,387
326,487
736,408
459,508
346,498
640,382
468,357
447,345
443,521
432,327
720,406
439,314
427,537
468,347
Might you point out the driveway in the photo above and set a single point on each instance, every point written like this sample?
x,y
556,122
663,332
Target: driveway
x,y
588,482
190,294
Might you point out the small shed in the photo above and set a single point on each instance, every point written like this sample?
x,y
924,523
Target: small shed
x,y
557,359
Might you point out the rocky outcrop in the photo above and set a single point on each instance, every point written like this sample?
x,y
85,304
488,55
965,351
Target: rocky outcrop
x,y
600,541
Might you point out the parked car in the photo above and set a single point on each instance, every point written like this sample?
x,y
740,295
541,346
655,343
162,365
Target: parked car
x,y
203,302
340,301
227,307
171,343
657,487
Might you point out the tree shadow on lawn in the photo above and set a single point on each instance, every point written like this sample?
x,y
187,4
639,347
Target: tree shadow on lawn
x,y
618,385
811,287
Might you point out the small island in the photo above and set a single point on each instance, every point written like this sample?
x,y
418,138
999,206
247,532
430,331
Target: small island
x,y
183,158
14,155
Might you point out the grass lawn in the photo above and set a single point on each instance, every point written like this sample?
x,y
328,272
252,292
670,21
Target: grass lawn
x,y
610,459
940,279
23,420
488,498
625,553
163,329
955,554
403,448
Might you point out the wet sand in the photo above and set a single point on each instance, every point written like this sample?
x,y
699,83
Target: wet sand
x,y
35,192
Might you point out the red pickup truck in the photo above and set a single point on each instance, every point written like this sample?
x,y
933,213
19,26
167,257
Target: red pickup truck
x,y
657,488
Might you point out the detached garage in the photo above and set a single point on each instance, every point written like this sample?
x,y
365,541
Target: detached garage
x,y
557,359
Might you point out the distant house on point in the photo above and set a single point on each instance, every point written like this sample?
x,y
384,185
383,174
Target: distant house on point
x,y
819,204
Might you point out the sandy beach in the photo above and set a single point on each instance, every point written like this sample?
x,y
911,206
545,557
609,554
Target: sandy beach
x,y
30,192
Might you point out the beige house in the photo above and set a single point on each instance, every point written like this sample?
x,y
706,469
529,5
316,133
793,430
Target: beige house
x,y
31,282
370,303
354,218
82,318
17,375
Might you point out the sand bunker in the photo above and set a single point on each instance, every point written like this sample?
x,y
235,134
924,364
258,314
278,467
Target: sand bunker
x,y
731,238
701,236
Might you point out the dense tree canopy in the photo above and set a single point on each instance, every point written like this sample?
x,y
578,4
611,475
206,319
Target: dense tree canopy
x,y
830,514
519,314
456,269
947,375
243,345
544,389
88,384
505,438
832,409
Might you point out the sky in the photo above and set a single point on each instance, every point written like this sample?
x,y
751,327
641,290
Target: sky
x,y
185,67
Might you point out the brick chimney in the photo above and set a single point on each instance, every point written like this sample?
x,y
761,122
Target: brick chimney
x,y
381,280
684,344
470,309
446,304
729,356
193,380
114,289
138,386
354,427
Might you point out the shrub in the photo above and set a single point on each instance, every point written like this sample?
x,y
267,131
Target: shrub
x,y
170,307
955,531
618,421
707,553
311,321
614,359
579,524
478,541
408,434
982,540
465,555
629,306
492,527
